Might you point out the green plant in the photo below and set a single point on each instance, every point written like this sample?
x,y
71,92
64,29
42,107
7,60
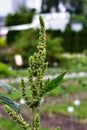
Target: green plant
x,y
19,17
54,48
22,16
4,70
26,44
2,41
37,87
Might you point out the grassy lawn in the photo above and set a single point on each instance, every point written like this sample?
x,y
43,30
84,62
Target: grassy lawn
x,y
8,124
70,87
62,108
72,63
52,70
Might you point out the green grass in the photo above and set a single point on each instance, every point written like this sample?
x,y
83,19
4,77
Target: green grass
x,y
12,95
62,108
76,84
51,70
71,86
7,124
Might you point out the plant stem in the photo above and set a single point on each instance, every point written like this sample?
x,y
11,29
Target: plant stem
x,y
33,116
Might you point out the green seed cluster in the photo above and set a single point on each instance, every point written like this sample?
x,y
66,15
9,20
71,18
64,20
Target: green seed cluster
x,y
37,122
16,117
36,70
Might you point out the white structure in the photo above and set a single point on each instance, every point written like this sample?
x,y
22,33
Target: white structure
x,y
10,6
18,60
52,21
5,7
16,4
36,4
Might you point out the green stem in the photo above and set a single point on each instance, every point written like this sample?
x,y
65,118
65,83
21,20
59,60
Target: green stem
x,y
33,116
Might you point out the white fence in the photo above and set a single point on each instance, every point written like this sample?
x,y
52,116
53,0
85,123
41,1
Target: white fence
x,y
52,21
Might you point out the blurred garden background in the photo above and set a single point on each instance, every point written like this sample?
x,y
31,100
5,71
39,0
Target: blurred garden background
x,y
66,28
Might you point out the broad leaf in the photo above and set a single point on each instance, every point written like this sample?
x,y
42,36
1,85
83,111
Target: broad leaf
x,y
9,102
54,83
7,86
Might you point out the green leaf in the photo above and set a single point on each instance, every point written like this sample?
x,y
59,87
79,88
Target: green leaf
x,y
9,102
7,86
54,83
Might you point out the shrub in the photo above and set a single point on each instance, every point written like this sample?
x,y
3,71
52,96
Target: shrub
x,y
11,36
26,44
54,47
2,41
17,18
4,70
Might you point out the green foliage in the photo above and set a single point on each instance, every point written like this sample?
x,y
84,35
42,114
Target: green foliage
x,y
7,86
26,44
57,41
54,47
8,124
11,36
16,117
37,88
54,83
23,16
2,41
19,18
62,108
75,41
4,70
9,102
58,128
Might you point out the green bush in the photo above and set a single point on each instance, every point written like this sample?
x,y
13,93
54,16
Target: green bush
x,y
75,41
4,70
18,18
26,43
72,41
57,41
54,49
11,36
2,41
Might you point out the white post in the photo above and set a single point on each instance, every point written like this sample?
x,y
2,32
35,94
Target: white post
x,y
77,103
70,109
